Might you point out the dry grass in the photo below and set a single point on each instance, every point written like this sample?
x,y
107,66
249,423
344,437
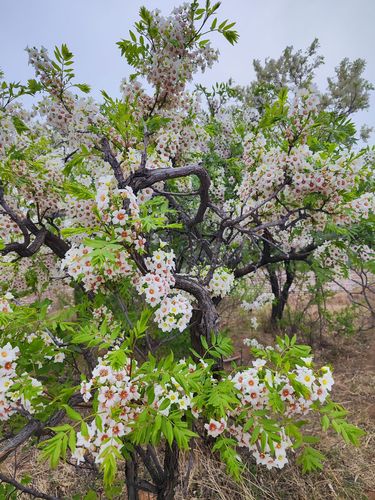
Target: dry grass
x,y
62,483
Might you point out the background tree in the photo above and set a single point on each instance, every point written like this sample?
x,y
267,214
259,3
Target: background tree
x,y
347,93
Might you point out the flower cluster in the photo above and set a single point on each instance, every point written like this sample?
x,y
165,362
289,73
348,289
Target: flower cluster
x,y
297,175
174,310
8,356
37,274
255,386
39,195
363,252
103,313
106,195
272,459
153,161
214,428
258,387
221,283
363,206
5,306
262,299
174,59
171,396
252,343
332,257
122,396
118,395
296,239
8,133
246,408
79,263
16,391
174,313
80,212
8,229
44,69
156,284
119,209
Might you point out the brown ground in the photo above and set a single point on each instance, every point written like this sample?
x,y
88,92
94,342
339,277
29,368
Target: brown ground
x,y
349,472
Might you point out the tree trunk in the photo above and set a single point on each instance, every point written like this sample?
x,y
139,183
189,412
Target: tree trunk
x,y
166,491
205,318
204,323
281,294
131,479
275,287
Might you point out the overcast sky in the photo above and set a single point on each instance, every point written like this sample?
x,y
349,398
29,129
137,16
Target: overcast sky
x,y
91,29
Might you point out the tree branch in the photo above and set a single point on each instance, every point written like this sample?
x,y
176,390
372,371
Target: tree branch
x,y
25,489
145,178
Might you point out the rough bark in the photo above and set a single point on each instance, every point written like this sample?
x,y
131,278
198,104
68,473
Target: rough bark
x,y
131,479
205,318
166,491
281,292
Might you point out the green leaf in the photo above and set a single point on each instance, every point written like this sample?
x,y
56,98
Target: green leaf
x,y
167,429
117,359
67,232
84,429
83,87
248,424
255,434
72,440
65,52
109,466
61,428
325,423
311,459
34,86
204,343
165,404
349,432
19,125
78,190
90,495
74,415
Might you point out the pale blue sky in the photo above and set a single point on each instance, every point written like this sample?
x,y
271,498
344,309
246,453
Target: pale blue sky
x,y
91,28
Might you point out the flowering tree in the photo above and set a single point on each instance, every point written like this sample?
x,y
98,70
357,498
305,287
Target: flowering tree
x,y
152,215
346,94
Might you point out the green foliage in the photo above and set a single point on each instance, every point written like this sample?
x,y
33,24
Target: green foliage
x,y
19,125
8,491
62,67
78,190
55,448
228,454
311,459
154,215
